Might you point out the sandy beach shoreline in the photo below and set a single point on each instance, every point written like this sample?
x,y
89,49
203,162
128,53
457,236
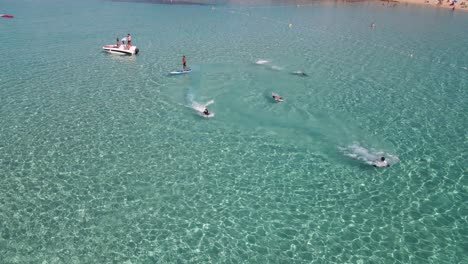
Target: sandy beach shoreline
x,y
447,4
459,5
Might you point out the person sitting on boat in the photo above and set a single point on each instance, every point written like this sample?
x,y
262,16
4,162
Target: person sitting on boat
x,y
117,43
206,112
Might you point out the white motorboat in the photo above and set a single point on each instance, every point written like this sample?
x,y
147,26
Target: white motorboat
x,y
121,50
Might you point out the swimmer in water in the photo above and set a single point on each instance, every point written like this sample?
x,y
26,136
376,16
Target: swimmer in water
x,y
277,98
381,163
206,112
300,73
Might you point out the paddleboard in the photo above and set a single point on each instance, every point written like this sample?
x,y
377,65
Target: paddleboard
x,y
180,72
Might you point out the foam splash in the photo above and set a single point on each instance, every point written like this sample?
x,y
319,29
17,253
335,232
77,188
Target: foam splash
x,y
273,67
261,62
190,97
368,156
201,107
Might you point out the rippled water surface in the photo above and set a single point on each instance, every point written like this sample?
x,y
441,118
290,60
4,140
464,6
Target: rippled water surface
x,y
103,159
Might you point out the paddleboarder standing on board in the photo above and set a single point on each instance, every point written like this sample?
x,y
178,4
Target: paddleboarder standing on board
x,y
184,63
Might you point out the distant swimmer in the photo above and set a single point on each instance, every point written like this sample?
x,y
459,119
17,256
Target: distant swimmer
x,y
277,97
381,163
206,112
300,73
372,25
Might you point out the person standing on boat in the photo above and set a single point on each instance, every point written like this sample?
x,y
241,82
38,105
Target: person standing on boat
x,y
184,63
129,41
118,42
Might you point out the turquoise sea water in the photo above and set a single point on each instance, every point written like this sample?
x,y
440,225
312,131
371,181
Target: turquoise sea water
x,y
103,159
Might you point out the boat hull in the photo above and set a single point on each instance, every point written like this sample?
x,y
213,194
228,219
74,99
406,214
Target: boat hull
x,y
121,50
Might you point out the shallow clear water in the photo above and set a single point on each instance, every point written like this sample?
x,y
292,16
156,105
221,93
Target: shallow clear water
x,y
103,160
